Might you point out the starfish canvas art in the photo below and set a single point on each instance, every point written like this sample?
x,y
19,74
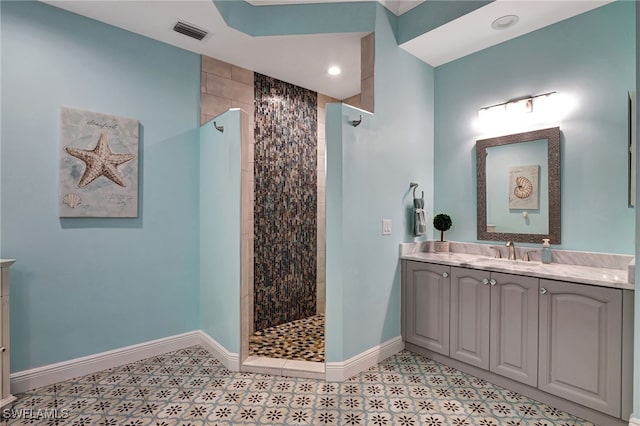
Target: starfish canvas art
x,y
100,161
99,165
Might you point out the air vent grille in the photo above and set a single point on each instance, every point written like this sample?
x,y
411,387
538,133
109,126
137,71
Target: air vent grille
x,y
189,30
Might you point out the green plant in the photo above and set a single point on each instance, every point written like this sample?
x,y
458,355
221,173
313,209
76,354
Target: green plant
x,y
442,222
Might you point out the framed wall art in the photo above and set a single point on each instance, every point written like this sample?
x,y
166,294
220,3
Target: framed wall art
x,y
98,165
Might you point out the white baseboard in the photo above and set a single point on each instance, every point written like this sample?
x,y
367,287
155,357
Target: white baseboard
x,y
230,360
633,421
46,375
341,371
58,372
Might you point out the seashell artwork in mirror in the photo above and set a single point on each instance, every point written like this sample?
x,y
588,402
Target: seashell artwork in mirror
x,y
524,187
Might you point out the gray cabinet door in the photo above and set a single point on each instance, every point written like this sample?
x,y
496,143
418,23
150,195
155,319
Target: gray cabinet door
x,y
470,304
514,327
580,344
426,296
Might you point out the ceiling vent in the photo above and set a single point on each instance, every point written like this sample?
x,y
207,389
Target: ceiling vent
x,y
189,30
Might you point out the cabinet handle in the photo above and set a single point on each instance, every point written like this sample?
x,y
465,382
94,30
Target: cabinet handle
x,y
492,281
445,274
543,290
485,281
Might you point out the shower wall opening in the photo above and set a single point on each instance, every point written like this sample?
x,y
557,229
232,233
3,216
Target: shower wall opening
x,y
288,318
275,117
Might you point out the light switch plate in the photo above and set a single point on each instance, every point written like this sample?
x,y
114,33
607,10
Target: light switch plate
x,y
386,226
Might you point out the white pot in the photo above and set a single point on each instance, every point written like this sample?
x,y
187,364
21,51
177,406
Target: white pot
x,y
441,246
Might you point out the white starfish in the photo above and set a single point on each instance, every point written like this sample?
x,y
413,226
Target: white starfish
x,y
100,161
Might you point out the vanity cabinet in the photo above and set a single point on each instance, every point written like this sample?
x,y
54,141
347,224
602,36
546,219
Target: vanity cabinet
x,y
426,306
5,390
494,322
558,342
580,344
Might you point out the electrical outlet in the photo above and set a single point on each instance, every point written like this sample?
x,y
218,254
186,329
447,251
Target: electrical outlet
x,y
386,226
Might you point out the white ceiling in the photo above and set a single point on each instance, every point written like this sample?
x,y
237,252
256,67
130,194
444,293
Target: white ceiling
x,y
304,59
301,60
472,32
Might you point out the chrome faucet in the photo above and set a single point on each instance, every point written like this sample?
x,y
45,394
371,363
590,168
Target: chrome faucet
x,y
498,252
512,250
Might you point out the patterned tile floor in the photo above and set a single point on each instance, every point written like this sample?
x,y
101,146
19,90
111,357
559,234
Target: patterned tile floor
x,y
301,340
191,388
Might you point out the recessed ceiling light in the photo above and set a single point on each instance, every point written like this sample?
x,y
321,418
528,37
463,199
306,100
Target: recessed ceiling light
x,y
504,22
334,70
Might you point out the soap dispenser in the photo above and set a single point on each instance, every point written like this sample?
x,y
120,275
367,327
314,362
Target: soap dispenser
x,y
545,256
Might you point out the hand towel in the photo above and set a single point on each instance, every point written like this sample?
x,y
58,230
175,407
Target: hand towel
x,y
420,221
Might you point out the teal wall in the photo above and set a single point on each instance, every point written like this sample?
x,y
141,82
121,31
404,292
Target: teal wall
x,y
590,59
432,14
636,348
369,169
335,125
220,230
83,286
286,19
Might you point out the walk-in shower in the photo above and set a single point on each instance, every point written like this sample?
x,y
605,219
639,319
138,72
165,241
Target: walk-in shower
x,y
288,320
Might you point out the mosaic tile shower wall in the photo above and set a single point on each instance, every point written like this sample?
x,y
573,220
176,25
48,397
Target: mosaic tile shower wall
x,y
285,206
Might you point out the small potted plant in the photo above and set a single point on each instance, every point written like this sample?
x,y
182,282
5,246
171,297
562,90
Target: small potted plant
x,y
441,222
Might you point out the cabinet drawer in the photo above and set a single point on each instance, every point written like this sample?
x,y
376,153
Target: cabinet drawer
x,y
4,326
4,282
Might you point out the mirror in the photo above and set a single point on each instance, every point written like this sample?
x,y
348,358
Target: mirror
x,y
519,187
632,149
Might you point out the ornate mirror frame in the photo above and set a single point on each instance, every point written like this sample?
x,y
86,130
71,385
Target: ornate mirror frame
x,y
553,156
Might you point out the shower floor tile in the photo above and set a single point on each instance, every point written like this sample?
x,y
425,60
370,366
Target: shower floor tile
x,y
301,340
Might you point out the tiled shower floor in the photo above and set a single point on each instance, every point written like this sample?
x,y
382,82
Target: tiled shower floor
x,y
191,388
301,340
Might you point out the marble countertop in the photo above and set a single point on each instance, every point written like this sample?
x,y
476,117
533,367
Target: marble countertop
x,y
6,262
599,275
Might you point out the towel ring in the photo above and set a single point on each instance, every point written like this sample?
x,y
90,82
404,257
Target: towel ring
x,y
414,186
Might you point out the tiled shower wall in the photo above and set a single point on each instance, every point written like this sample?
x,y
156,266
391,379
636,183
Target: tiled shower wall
x,y
323,100
365,99
224,86
286,190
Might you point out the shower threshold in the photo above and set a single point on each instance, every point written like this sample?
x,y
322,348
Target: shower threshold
x,y
284,367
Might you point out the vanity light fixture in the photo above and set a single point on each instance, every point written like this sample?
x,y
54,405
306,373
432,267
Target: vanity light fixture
x,y
521,105
334,70
504,22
